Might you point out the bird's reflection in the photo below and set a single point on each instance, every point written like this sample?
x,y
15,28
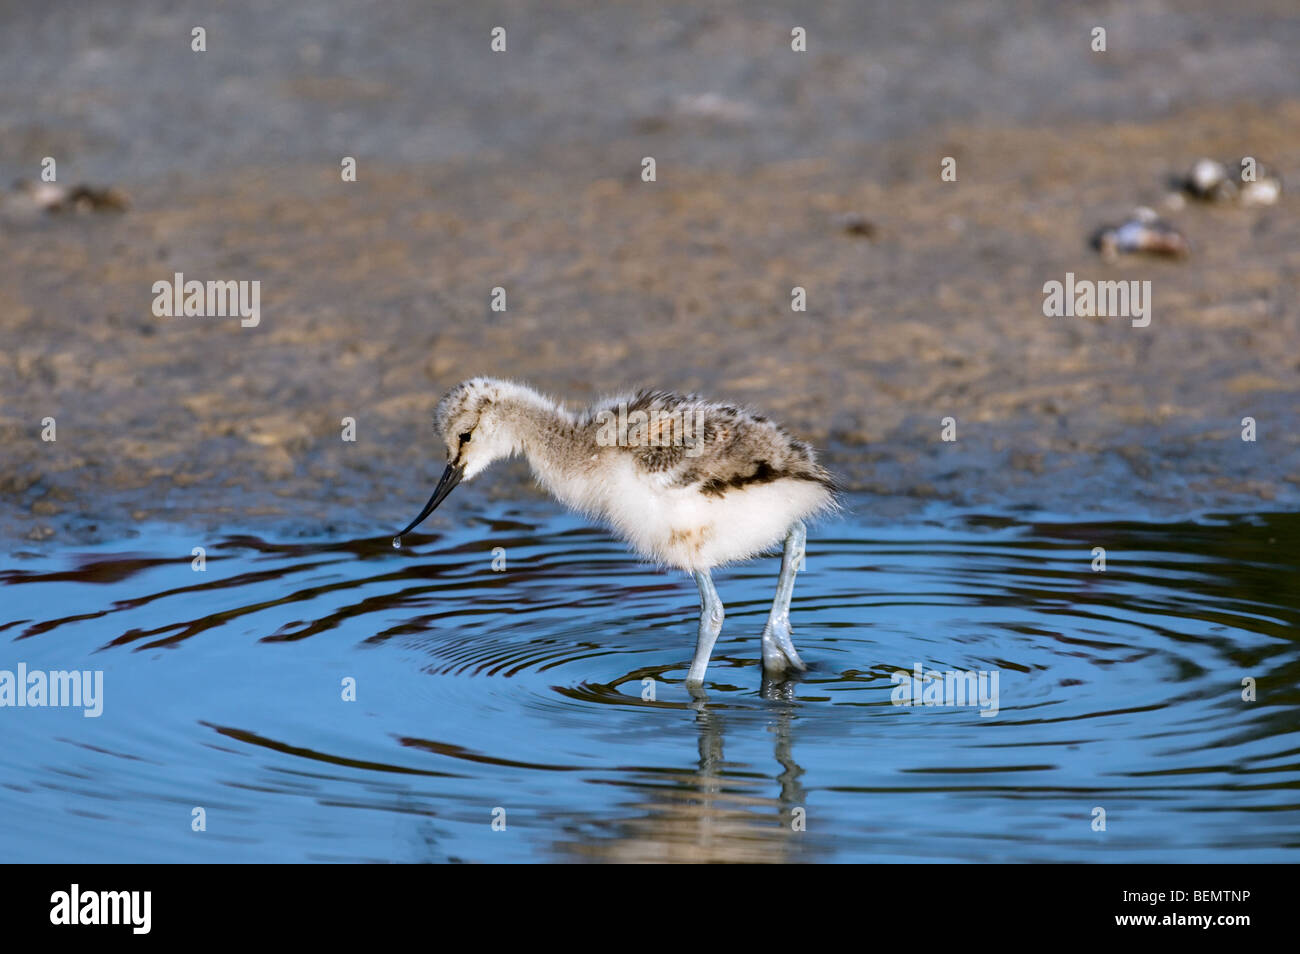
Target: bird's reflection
x,y
716,811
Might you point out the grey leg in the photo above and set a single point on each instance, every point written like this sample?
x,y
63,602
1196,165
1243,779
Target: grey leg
x,y
711,614
779,653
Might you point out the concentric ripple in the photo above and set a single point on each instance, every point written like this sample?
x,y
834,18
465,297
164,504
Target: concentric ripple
x,y
340,700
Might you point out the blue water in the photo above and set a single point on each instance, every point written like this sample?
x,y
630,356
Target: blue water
x,y
521,689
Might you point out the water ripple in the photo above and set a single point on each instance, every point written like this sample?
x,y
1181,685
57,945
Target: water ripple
x,y
551,690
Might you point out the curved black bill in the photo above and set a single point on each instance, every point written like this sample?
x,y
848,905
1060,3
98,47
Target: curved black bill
x,y
450,478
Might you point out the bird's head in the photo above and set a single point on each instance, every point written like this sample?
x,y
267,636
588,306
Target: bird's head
x,y
473,420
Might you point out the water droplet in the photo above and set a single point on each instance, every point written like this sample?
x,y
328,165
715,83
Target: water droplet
x,y
397,543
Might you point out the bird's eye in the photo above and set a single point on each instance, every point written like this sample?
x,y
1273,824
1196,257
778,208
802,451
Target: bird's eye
x,y
464,438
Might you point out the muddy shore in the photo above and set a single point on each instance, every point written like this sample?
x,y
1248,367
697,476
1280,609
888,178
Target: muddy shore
x,y
375,298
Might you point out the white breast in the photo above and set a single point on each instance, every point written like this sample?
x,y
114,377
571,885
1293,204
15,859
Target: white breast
x,y
682,527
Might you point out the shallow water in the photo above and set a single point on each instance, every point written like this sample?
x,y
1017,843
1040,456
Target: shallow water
x,y
524,689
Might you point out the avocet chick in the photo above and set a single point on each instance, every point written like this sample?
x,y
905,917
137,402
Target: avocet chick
x,y
686,482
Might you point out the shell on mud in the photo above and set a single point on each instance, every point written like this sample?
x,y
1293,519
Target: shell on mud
x,y
1248,181
1264,189
1143,232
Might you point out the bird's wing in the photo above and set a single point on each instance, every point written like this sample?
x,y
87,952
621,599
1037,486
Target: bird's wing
x,y
688,441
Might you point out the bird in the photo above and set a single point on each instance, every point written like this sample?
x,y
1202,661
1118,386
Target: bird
x,y
55,198
688,483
